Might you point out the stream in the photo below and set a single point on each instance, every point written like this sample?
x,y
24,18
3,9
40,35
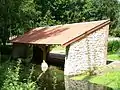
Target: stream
x,y
54,79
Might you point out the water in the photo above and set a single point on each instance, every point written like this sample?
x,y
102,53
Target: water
x,y
54,79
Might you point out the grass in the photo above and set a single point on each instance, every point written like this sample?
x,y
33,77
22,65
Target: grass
x,y
58,49
110,79
113,57
79,77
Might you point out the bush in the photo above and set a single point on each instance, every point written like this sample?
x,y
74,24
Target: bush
x,y
115,32
113,46
10,77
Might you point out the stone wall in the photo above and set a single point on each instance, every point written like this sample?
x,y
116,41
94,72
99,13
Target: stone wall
x,y
88,53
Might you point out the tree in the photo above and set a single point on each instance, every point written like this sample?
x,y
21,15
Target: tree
x,y
15,17
103,9
20,16
62,11
116,31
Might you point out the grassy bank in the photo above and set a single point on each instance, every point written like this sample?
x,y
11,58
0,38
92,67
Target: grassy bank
x,y
109,79
113,57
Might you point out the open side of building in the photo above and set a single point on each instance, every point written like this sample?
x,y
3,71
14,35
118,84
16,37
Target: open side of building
x,y
86,44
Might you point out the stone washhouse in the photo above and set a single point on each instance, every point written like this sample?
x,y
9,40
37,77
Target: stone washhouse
x,y
86,44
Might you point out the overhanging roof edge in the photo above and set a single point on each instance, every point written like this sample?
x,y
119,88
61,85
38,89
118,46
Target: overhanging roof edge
x,y
74,39
87,33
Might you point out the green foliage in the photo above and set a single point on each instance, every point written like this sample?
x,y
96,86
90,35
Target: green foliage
x,y
15,17
80,77
110,79
113,46
114,56
116,31
20,16
10,77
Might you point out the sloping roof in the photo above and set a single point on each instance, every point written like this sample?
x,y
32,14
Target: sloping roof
x,y
60,34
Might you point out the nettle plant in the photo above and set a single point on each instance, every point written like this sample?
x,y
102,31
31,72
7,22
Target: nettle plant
x,y
12,78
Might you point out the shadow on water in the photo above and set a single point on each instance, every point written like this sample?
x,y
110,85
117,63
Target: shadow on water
x,y
54,79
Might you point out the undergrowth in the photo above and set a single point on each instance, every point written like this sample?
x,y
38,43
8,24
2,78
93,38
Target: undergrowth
x,y
12,79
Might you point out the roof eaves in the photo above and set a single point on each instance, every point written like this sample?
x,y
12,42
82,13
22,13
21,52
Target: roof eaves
x,y
86,33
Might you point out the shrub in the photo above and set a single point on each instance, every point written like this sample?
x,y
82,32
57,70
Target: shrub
x,y
113,46
115,32
10,77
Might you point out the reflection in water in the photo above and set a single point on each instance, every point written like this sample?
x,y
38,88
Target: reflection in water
x,y
81,85
53,79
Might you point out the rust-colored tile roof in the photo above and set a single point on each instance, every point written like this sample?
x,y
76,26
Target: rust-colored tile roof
x,y
60,34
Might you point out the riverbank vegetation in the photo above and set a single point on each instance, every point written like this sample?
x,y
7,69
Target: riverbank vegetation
x,y
19,16
14,77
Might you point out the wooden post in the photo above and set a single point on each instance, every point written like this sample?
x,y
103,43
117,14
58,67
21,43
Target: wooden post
x,y
44,65
44,53
45,49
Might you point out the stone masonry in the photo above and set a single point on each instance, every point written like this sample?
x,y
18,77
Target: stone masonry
x,y
88,53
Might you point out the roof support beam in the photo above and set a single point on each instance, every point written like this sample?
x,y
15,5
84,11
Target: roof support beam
x,y
45,49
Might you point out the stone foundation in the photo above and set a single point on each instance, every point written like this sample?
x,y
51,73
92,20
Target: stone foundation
x,y
88,53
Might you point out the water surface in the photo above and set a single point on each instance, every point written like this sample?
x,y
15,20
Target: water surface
x,y
54,79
